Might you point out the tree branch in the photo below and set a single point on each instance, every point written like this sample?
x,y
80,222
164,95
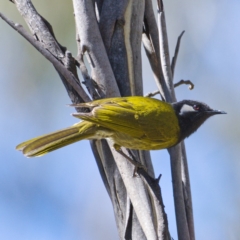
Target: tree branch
x,y
43,32
156,197
65,72
187,193
178,160
150,40
138,195
164,55
174,59
95,90
187,82
91,42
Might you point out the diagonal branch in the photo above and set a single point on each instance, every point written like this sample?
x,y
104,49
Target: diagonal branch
x,y
43,32
93,88
65,72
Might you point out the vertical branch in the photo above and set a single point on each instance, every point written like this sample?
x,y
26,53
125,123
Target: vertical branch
x,y
185,224
164,55
161,217
185,173
180,208
150,40
187,193
91,42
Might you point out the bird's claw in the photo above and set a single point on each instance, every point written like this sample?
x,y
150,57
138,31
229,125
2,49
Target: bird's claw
x,y
138,165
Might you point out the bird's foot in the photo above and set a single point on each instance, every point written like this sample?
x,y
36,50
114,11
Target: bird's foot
x,y
136,164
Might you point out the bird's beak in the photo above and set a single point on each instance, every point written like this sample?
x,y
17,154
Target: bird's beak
x,y
213,112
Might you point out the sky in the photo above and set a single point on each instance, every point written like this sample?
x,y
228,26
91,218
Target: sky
x,y
58,196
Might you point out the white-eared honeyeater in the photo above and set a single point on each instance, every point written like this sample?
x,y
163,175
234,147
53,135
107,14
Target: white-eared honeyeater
x,y
133,122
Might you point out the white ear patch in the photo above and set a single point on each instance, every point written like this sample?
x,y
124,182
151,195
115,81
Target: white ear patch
x,y
186,109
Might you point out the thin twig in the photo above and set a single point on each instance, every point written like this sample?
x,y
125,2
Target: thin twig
x,y
181,82
174,59
187,82
152,94
93,88
88,81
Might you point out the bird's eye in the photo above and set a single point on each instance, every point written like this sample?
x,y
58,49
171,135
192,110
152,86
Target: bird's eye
x,y
196,107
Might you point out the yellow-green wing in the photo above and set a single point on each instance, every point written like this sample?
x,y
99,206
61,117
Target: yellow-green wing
x,y
139,117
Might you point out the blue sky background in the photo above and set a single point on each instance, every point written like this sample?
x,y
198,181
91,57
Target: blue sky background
x,y
61,195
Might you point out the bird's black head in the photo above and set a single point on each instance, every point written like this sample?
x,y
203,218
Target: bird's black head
x,y
191,115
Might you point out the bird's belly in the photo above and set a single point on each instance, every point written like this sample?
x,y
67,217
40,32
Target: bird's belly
x,y
102,133
142,143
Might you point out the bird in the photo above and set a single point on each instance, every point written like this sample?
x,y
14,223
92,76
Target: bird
x,y
134,122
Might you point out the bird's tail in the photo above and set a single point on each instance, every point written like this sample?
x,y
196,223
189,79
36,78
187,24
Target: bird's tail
x,y
41,145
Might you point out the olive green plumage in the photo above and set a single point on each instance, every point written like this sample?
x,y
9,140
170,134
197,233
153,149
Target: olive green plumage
x,y
132,122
